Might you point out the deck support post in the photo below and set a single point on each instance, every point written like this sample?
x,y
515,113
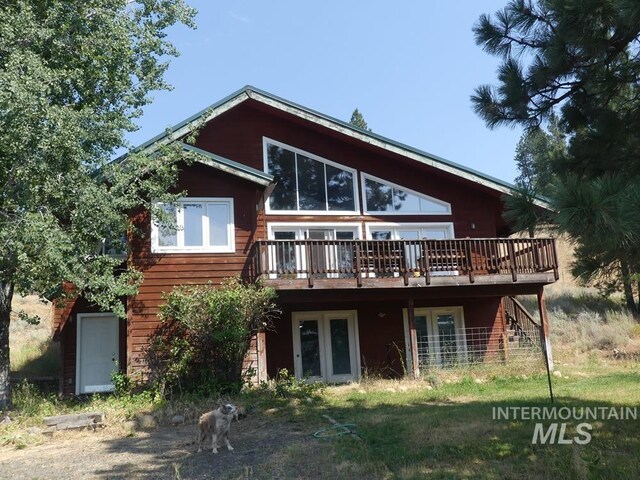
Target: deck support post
x,y
505,334
413,339
262,357
544,330
544,337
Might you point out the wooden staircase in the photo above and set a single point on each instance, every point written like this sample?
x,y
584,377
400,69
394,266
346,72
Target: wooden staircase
x,y
522,329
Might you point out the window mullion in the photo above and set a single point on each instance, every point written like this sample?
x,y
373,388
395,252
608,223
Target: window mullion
x,y
180,225
205,225
326,189
295,163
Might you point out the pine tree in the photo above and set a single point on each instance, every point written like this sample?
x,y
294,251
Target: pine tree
x,y
576,60
357,120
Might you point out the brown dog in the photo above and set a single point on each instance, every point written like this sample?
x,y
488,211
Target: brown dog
x,y
216,424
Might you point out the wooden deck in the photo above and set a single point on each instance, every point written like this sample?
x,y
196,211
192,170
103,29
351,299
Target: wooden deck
x,y
340,264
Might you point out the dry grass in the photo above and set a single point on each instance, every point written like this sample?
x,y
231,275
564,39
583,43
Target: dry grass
x,y
32,351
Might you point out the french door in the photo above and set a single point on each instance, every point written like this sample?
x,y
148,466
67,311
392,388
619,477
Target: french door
x,y
441,336
325,346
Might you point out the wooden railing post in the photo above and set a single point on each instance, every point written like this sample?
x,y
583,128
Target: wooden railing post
x,y
556,275
425,261
308,248
469,260
512,260
358,248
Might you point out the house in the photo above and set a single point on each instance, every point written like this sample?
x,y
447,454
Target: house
x,y
384,257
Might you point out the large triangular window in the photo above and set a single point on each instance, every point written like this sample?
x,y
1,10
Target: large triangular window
x,y
385,198
306,182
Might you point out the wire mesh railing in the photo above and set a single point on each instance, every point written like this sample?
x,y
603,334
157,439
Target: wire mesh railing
x,y
475,346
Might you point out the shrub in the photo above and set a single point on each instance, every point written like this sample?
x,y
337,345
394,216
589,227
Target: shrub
x,y
286,385
204,335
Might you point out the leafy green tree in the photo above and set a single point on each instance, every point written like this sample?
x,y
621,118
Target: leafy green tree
x,y
74,77
576,60
357,120
205,334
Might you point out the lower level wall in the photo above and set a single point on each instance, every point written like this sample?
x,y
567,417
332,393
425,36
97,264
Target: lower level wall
x,y
66,332
381,336
381,333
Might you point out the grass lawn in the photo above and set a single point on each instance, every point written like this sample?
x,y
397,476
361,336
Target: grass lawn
x,y
409,432
441,429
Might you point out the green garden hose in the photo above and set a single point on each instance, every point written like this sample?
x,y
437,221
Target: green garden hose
x,y
335,430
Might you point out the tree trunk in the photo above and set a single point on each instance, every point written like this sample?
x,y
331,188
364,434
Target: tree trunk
x,y
638,313
627,286
6,296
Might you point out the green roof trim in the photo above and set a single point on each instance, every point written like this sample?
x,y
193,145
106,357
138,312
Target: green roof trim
x,y
224,164
249,92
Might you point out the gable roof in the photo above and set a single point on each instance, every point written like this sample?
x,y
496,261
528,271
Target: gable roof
x,y
249,92
229,166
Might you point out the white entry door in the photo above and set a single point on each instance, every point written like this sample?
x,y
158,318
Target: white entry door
x,y
97,352
325,346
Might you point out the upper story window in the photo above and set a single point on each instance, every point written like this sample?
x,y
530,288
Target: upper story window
x,y
385,198
203,225
409,231
305,182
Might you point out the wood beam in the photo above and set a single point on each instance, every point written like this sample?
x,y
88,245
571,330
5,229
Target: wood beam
x,y
413,339
544,331
262,356
505,333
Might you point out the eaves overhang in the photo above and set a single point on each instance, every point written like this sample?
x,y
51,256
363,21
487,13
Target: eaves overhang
x,y
183,128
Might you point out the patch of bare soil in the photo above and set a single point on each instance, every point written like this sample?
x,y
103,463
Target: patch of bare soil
x,y
161,453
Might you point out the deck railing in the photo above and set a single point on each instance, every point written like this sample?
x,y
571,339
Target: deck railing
x,y
361,259
520,323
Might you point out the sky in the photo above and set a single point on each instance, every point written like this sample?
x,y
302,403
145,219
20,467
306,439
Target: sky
x,y
409,67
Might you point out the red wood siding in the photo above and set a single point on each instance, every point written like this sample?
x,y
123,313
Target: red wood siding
x,y
238,134
380,330
164,271
65,324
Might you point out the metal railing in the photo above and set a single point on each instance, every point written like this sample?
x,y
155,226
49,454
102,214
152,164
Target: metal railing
x,y
361,259
472,346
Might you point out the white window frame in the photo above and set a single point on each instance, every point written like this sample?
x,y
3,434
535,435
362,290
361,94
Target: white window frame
x,y
299,228
353,171
430,313
365,208
324,317
395,226
230,247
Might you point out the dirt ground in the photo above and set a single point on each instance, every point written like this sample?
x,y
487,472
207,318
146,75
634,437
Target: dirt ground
x,y
162,453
